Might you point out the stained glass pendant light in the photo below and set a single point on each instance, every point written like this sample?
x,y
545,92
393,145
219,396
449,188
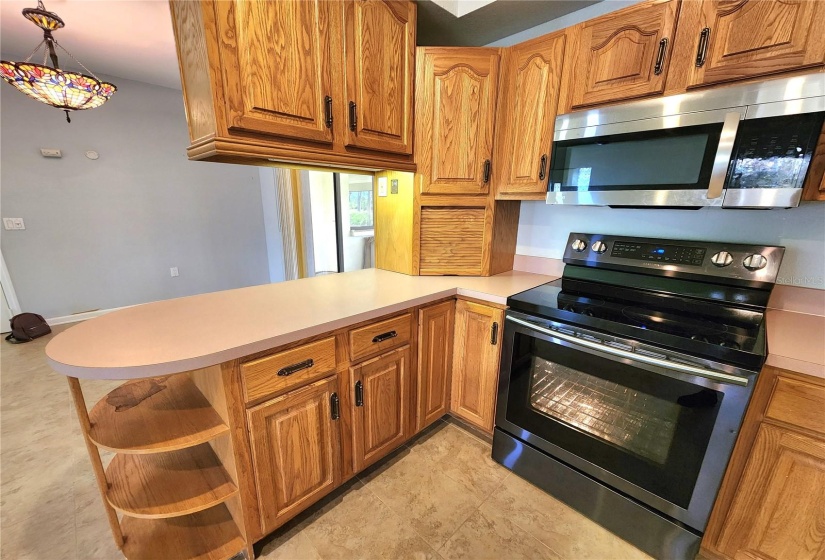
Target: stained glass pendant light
x,y
69,91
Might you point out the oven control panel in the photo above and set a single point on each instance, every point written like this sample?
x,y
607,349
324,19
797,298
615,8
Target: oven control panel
x,y
754,265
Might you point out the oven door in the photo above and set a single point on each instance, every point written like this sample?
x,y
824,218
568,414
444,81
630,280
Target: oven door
x,y
645,428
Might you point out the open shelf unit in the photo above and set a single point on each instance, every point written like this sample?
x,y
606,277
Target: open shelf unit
x,y
171,490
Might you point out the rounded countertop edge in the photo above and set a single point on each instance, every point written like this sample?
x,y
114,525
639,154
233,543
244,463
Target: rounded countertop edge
x,y
191,363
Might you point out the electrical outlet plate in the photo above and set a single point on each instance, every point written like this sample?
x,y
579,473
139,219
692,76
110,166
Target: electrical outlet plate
x,y
173,272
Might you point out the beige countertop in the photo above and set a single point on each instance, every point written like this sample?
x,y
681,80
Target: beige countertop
x,y
194,332
796,341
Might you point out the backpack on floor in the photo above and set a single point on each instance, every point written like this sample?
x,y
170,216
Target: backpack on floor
x,y
25,327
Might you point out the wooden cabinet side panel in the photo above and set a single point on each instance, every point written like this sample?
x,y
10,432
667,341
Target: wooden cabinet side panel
x,y
456,92
531,78
779,509
296,450
435,361
195,67
394,224
814,187
380,59
504,236
475,364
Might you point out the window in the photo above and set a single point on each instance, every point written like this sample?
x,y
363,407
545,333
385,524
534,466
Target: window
x,y
360,210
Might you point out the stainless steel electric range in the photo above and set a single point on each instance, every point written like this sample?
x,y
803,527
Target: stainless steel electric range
x,y
624,383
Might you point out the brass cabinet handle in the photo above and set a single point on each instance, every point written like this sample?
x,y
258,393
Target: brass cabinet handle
x,y
543,167
294,368
494,334
328,111
384,336
487,168
660,58
334,409
353,116
359,393
702,52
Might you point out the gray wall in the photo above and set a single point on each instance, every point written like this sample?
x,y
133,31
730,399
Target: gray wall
x,y
543,229
102,234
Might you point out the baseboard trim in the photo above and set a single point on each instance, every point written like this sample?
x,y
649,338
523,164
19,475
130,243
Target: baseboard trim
x,y
84,316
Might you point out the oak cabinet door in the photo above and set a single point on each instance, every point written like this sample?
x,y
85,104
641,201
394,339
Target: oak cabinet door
x,y
476,355
452,240
779,508
296,450
276,66
625,54
455,93
380,56
745,38
381,397
531,76
435,362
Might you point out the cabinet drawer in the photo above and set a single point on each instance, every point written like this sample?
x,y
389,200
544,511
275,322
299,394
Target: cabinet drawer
x,y
798,403
379,337
277,373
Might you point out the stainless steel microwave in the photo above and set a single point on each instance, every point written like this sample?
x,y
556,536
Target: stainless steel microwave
x,y
747,146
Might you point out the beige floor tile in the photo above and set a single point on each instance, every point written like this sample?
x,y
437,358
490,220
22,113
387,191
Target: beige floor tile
x,y
290,545
359,525
434,504
490,535
48,536
463,458
562,529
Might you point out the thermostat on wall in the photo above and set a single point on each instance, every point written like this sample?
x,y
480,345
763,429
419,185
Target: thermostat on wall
x,y
51,152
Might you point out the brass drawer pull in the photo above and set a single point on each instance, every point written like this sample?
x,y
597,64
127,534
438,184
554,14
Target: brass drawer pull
x,y
384,336
294,368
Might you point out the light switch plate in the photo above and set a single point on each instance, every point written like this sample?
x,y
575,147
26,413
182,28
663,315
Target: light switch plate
x,y
13,223
382,186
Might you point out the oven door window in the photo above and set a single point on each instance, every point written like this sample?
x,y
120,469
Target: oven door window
x,y
644,427
671,159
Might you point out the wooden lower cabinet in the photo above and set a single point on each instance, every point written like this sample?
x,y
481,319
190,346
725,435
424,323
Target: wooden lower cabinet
x,y
779,508
772,501
435,362
381,402
296,450
476,355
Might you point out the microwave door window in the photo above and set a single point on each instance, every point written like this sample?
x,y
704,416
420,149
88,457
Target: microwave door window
x,y
662,159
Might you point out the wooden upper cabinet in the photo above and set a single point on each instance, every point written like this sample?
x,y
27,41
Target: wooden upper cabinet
x,y
276,66
779,507
739,39
296,450
476,355
435,357
455,100
380,56
531,77
623,55
381,398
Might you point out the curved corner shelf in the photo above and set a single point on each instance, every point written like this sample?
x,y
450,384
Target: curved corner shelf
x,y
154,415
169,484
207,535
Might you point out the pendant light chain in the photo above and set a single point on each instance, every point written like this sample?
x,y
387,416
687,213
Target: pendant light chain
x,y
76,60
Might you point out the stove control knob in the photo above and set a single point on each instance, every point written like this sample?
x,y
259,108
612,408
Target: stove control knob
x,y
755,262
599,247
722,258
578,245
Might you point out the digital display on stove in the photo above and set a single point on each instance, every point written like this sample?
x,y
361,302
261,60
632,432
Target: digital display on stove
x,y
671,254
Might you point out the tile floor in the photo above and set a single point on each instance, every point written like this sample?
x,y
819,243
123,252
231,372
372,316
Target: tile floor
x,y
441,496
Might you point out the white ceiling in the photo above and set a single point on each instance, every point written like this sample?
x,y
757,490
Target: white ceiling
x,y
462,7
129,39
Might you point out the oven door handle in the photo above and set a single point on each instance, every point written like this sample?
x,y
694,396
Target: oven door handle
x,y
684,368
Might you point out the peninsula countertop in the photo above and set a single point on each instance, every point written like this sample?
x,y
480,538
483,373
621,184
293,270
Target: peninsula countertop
x,y
199,331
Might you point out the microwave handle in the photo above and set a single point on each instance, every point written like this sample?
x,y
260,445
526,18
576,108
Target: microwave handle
x,y
723,154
